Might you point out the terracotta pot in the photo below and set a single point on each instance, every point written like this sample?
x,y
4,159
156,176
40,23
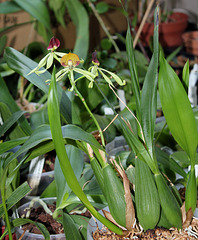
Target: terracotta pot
x,y
190,40
170,33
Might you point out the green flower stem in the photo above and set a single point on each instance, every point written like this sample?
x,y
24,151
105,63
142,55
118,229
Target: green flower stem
x,y
4,202
27,90
55,126
91,114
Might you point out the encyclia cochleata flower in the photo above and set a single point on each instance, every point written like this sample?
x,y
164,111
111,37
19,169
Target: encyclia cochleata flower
x,y
95,69
48,59
70,62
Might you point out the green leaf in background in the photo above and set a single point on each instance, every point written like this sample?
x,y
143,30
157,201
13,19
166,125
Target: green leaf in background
x,y
59,10
23,65
80,18
37,9
6,98
5,146
106,44
70,228
10,121
16,196
77,162
102,7
185,75
21,221
177,109
9,7
133,70
148,99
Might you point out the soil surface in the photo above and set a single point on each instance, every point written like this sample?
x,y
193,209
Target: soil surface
x,y
157,234
39,215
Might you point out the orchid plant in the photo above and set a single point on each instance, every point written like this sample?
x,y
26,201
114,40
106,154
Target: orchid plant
x,y
155,203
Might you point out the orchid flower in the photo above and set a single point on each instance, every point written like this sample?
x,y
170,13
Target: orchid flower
x,y
70,61
95,69
48,59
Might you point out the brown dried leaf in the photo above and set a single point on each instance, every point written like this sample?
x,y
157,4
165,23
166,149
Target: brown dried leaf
x,y
110,218
117,167
189,216
130,211
183,211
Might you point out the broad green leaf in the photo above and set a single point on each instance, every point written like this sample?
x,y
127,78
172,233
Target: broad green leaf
x,y
148,99
5,146
133,70
16,196
70,228
50,190
8,118
102,7
43,133
185,75
9,7
173,54
10,121
39,117
23,65
82,223
6,97
59,10
80,18
76,159
138,147
177,109
169,163
37,9
21,221
182,158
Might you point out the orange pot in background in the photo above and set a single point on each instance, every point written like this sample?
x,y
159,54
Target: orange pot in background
x,y
190,40
170,33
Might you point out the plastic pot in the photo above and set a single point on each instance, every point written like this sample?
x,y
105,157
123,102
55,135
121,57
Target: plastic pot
x,y
33,236
94,224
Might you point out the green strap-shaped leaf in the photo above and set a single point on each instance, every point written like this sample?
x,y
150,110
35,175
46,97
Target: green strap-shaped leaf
x,y
70,228
6,97
149,92
43,133
81,20
23,65
133,70
37,9
76,159
177,109
9,7
185,75
21,221
10,121
16,196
